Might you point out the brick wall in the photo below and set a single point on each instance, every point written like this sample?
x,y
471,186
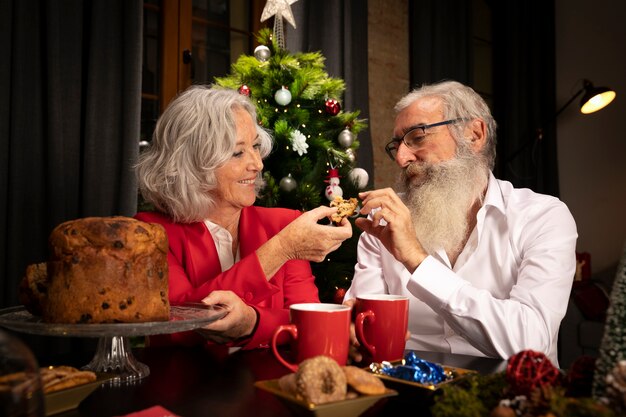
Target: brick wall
x,y
388,50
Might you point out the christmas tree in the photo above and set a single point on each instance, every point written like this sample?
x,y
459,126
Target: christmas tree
x,y
613,346
314,156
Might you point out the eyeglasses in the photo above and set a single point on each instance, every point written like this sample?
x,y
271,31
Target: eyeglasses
x,y
413,137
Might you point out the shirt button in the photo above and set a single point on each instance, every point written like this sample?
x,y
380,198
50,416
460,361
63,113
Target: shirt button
x,y
248,296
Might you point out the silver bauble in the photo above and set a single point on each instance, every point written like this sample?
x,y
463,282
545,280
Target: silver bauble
x,y
351,155
345,138
262,53
283,96
288,183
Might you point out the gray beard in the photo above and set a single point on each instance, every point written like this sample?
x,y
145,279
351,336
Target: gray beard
x,y
440,196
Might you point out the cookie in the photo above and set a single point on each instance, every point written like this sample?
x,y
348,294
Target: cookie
x,y
287,383
363,381
345,208
320,380
61,377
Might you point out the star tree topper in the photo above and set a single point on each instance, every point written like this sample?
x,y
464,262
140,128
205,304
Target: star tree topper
x,y
281,9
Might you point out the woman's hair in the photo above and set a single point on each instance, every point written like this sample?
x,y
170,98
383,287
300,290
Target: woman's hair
x,y
459,102
195,135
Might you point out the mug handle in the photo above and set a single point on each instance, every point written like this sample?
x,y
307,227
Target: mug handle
x,y
293,331
358,324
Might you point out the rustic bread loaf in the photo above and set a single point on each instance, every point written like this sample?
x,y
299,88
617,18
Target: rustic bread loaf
x,y
107,270
33,289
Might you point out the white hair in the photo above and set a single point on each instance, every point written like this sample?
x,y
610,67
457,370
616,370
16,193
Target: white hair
x,y
195,135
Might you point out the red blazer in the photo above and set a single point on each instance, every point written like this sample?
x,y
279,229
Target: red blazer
x,y
195,271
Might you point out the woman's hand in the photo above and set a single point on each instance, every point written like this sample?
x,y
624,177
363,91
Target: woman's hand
x,y
238,322
306,239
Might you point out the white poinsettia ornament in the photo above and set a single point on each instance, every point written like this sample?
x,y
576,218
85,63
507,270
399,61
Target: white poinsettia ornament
x,y
298,142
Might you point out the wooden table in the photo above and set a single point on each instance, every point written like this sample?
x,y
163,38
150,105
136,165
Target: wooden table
x,y
191,381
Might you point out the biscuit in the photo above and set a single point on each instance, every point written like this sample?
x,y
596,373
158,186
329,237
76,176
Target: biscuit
x,y
363,381
18,384
12,378
345,208
33,288
61,377
320,380
287,383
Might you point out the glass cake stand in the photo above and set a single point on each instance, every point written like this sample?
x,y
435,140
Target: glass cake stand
x,y
114,353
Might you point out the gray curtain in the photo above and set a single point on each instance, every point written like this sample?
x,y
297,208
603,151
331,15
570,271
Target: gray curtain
x,y
524,82
70,102
338,29
440,41
525,93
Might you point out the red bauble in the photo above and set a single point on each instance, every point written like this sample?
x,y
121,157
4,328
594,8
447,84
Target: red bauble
x,y
339,294
580,376
528,370
332,107
244,90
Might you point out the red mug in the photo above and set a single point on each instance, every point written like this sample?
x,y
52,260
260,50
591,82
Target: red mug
x,y
381,324
316,329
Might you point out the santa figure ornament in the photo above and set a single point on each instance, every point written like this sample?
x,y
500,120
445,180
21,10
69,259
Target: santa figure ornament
x,y
333,189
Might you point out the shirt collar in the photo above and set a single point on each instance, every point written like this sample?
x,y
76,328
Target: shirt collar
x,y
218,231
493,197
223,241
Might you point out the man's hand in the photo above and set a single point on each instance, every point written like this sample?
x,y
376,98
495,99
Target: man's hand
x,y
354,354
392,225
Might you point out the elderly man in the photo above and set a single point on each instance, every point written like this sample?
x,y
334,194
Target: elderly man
x,y
488,268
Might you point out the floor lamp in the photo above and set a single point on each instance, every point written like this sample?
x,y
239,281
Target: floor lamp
x,y
593,99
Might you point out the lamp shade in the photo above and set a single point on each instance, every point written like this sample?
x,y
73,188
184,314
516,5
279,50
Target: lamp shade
x,y
595,98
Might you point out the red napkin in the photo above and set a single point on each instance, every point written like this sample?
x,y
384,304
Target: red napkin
x,y
156,411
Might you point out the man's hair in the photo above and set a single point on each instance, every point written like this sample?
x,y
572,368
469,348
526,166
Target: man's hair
x,y
195,135
459,101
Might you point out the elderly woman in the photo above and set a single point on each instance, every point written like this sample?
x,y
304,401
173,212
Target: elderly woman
x,y
202,172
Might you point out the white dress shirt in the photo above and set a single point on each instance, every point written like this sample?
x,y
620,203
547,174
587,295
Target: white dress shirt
x,y
508,290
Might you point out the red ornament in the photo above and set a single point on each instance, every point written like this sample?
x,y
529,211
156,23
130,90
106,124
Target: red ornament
x,y
580,376
528,370
332,107
339,294
332,173
244,90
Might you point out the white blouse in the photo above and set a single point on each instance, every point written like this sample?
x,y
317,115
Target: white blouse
x,y
224,244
